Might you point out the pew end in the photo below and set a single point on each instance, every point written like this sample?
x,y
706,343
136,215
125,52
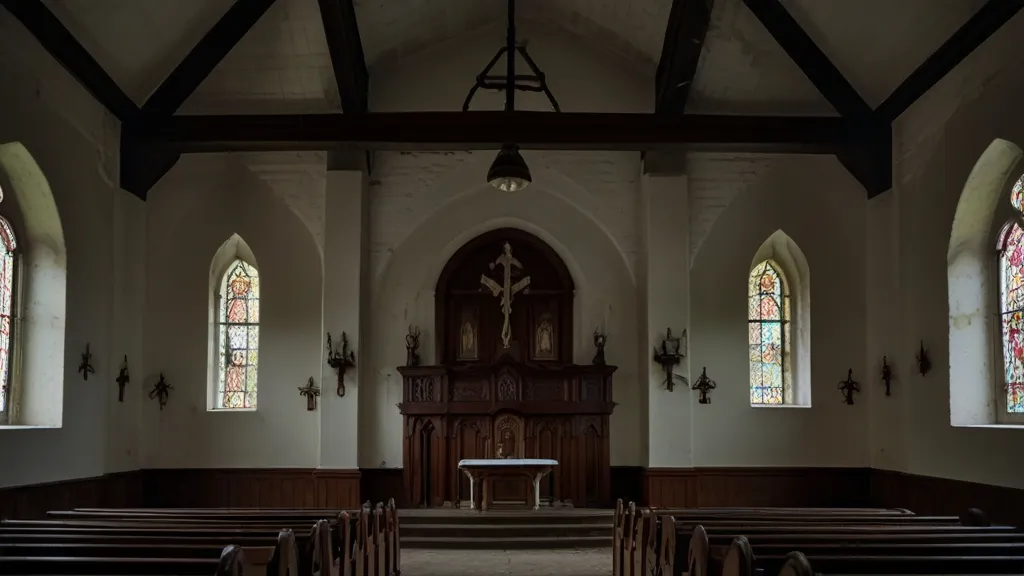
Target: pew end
x,y
796,564
739,559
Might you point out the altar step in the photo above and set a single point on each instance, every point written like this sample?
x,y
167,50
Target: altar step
x,y
505,530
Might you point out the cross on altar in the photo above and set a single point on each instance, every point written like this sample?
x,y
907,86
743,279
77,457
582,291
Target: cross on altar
x,y
506,289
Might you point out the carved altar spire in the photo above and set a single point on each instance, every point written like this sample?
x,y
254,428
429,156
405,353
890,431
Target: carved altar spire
x,y
506,289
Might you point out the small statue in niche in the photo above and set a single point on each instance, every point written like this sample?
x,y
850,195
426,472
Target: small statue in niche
x,y
544,340
412,345
467,348
600,339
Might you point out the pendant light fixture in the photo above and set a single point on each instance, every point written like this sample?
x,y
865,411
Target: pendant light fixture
x,y
509,171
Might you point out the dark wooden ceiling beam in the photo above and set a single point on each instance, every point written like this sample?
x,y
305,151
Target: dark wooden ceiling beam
x,y
688,23
965,40
489,130
204,57
62,45
869,159
144,164
809,58
346,49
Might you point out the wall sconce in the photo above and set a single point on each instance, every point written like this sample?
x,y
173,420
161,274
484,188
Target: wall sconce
x,y
340,360
672,351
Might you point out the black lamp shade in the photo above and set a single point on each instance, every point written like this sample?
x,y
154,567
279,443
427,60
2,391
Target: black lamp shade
x,y
509,171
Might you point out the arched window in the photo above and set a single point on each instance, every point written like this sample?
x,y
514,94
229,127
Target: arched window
x,y
768,325
1011,306
8,262
237,337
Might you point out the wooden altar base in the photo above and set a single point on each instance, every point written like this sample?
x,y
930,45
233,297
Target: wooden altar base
x,y
464,529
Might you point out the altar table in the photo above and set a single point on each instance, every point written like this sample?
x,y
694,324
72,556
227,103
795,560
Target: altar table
x,y
483,470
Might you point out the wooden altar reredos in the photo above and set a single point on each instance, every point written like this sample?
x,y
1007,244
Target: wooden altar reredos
x,y
524,401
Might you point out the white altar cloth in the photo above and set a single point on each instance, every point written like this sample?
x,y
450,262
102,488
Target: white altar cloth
x,y
498,462
536,468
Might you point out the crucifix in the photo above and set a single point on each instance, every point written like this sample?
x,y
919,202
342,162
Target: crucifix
x,y
506,289
848,387
122,378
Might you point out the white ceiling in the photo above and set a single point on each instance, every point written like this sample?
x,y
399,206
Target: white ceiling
x,y
283,63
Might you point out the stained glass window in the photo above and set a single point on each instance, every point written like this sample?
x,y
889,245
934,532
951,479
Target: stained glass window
x,y
8,244
1017,195
1011,308
238,332
768,325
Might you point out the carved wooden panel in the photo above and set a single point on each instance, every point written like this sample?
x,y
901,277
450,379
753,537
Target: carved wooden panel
x,y
470,390
592,388
544,391
509,441
424,389
472,436
508,385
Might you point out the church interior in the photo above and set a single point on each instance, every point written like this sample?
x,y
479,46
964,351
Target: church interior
x,y
306,254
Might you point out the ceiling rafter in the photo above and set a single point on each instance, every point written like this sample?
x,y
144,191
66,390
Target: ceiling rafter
x,y
66,50
868,158
204,57
143,166
346,49
491,129
980,27
688,23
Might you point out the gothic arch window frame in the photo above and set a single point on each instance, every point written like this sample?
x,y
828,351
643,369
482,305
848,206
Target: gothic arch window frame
x,y
1009,235
234,263
756,301
10,302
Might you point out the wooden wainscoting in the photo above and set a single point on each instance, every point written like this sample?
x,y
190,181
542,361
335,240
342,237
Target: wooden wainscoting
x,y
120,489
692,487
251,487
380,484
931,495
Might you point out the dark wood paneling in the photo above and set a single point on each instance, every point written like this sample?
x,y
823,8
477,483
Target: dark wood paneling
x,y
931,495
109,490
678,487
380,484
654,487
252,487
627,482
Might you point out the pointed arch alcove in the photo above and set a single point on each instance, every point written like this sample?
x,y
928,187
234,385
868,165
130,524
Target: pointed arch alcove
x,y
506,389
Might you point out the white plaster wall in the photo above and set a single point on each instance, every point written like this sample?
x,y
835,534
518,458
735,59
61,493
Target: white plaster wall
x,y
74,142
821,207
191,212
933,160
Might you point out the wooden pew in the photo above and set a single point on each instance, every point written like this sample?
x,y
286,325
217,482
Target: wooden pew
x,y
364,542
152,558
896,541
